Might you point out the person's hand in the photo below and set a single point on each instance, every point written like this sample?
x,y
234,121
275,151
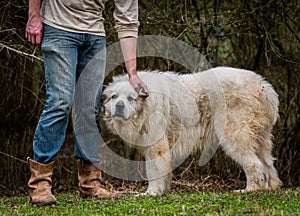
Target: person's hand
x,y
139,86
34,30
128,47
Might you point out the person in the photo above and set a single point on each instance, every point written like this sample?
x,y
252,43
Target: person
x,y
72,39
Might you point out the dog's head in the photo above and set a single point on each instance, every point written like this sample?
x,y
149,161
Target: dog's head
x,y
119,101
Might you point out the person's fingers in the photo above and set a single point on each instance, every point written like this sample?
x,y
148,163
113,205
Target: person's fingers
x,y
38,39
144,87
139,86
142,92
34,39
29,38
33,31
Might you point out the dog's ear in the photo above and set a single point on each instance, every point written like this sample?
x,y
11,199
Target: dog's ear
x,y
103,100
143,93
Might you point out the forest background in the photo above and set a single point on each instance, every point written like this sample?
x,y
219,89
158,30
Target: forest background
x,y
260,35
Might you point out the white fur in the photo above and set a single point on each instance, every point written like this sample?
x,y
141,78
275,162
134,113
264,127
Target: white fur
x,y
233,108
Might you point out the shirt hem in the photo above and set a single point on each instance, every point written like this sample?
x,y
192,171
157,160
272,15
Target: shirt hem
x,y
73,30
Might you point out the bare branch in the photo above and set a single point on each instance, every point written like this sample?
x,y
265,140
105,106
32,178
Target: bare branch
x,y
21,53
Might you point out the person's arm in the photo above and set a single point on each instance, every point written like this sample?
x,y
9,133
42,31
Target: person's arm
x,y
34,27
126,16
128,47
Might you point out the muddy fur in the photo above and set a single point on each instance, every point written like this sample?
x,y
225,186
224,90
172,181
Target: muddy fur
x,y
232,108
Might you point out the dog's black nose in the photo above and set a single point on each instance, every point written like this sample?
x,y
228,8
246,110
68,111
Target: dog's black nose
x,y
120,105
119,112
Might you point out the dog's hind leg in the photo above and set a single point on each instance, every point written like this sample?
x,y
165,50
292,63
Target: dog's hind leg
x,y
264,153
273,180
158,168
256,172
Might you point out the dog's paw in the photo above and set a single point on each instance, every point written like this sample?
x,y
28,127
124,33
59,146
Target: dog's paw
x,y
247,190
240,191
149,193
145,194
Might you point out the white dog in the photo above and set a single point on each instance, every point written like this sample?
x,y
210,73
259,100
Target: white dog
x,y
232,108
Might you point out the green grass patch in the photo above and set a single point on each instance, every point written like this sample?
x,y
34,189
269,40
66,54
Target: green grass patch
x,y
283,202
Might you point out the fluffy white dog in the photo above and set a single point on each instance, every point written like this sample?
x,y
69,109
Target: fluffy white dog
x,y
232,108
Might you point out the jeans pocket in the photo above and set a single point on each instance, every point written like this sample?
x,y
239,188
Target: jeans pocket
x,y
53,37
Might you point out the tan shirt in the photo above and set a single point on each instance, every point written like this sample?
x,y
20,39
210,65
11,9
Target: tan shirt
x,y
85,16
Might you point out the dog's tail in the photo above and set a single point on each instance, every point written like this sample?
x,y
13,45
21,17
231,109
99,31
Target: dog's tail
x,y
271,97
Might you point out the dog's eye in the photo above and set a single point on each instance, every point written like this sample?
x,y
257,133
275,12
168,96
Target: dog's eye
x,y
129,98
114,96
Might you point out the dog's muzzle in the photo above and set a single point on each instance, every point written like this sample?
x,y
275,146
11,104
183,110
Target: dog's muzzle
x,y
119,109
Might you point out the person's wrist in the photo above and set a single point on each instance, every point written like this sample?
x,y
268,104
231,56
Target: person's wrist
x,y
34,15
132,73
34,12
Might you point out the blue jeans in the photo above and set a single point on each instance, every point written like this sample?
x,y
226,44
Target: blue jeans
x,y
74,66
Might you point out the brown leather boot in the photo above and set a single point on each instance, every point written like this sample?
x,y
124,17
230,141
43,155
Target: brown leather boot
x,y
89,177
40,183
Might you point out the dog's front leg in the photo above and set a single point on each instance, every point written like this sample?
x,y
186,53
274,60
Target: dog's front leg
x,y
158,168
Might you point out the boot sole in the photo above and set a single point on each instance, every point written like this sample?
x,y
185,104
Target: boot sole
x,y
39,204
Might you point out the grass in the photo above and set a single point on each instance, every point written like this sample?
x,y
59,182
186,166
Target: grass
x,y
283,202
